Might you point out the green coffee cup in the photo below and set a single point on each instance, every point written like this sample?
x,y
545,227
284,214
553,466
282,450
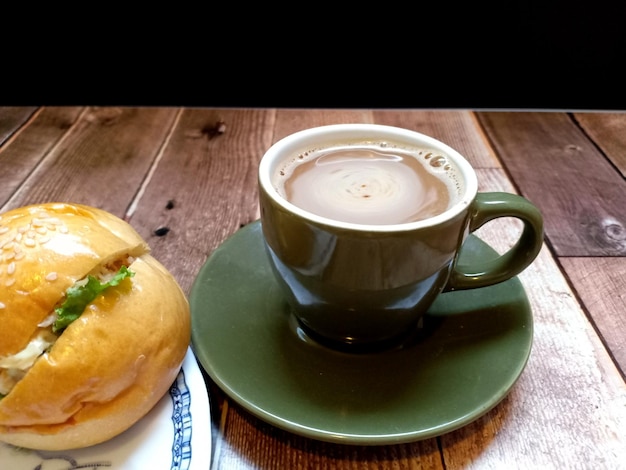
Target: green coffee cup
x,y
363,225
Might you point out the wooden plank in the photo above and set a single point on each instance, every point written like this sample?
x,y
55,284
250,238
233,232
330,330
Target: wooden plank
x,y
608,131
289,121
12,118
252,444
564,344
21,154
456,128
583,216
98,158
552,396
211,179
204,187
568,410
252,441
601,282
221,169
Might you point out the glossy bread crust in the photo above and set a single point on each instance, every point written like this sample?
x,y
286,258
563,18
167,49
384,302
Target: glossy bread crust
x,y
46,248
113,364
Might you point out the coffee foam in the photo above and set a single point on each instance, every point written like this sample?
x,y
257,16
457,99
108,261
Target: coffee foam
x,y
370,183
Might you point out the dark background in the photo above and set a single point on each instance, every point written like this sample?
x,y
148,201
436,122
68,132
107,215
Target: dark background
x,y
520,55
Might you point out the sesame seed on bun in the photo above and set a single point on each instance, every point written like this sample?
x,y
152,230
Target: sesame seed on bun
x,y
93,329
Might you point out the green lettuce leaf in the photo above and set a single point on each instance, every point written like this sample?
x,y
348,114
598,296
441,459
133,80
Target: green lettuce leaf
x,y
81,294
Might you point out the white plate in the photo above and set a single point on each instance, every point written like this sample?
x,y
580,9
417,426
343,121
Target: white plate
x,y
175,435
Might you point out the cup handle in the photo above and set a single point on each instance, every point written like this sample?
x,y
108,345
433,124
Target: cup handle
x,y
489,206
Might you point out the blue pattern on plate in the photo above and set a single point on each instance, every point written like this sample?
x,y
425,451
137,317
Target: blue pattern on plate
x,y
181,446
181,418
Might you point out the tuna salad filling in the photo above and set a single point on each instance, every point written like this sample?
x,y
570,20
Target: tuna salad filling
x,y
73,304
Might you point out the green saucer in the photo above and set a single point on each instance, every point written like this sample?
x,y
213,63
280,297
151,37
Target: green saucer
x,y
472,347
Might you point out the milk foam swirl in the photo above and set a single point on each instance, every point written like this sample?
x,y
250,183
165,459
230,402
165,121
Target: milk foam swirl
x,y
367,185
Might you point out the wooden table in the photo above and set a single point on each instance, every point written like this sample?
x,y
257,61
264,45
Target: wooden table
x,y
186,179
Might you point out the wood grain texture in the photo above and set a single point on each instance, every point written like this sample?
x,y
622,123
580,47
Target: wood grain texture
x,y
204,187
555,165
570,391
552,385
31,145
252,444
12,119
186,179
98,157
479,445
456,128
576,391
601,282
608,131
289,121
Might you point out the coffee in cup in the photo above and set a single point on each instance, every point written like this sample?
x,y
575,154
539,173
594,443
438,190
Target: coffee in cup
x,y
370,183
363,225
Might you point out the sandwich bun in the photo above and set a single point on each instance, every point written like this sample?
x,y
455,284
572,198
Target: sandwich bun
x,y
110,366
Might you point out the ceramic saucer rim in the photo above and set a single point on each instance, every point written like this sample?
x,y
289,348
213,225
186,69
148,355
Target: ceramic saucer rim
x,y
300,428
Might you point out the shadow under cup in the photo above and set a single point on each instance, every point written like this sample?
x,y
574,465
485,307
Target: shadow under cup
x,y
367,286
